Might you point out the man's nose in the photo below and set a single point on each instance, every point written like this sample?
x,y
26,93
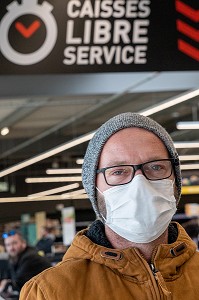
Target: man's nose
x,y
137,172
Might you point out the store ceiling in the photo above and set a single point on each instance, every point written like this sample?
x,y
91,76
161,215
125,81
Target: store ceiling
x,y
43,112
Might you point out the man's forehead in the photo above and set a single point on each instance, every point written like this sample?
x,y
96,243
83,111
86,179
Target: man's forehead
x,y
137,142
134,134
11,239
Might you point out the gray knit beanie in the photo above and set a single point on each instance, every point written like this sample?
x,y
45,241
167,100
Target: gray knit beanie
x,y
96,144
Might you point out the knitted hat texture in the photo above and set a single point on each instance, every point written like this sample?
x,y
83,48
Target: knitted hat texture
x,y
96,144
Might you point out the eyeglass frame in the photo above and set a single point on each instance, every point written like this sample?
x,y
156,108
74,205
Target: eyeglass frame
x,y
174,162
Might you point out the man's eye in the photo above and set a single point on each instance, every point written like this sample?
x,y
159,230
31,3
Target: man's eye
x,y
118,172
156,167
113,172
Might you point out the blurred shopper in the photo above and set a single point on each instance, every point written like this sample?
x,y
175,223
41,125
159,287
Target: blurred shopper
x,y
132,251
24,262
47,240
4,269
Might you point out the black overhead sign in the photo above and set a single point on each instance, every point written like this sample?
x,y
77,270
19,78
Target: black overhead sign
x,y
83,36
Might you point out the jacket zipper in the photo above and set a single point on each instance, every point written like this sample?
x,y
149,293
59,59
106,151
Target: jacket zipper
x,y
158,276
160,281
148,269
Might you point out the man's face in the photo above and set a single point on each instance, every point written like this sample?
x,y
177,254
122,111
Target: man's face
x,y
14,245
129,146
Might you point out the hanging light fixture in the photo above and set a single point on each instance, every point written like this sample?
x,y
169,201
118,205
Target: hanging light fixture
x,y
5,131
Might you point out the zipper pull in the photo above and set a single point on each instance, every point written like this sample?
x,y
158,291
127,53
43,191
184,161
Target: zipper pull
x,y
153,269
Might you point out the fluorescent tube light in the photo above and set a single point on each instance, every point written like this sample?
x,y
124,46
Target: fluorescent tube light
x,y
76,196
53,179
187,125
169,103
75,193
189,157
47,154
26,199
186,145
79,161
190,167
54,191
45,198
63,171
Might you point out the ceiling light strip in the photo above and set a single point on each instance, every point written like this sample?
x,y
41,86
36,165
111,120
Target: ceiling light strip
x,y
63,171
45,198
54,191
188,157
190,167
180,145
75,193
81,196
187,125
47,154
169,103
53,179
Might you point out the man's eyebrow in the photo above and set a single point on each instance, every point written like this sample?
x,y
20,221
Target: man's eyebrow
x,y
117,163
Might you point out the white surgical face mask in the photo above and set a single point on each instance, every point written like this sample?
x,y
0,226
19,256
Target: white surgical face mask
x,y
141,210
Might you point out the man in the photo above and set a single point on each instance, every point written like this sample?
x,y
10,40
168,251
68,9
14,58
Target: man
x,y
24,261
132,251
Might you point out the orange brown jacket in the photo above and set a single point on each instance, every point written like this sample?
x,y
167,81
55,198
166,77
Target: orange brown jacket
x,y
90,271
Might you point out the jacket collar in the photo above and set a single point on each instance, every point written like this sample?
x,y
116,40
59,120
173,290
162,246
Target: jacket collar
x,y
168,258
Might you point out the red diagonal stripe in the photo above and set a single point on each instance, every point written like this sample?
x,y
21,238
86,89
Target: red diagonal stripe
x,y
188,30
188,49
188,11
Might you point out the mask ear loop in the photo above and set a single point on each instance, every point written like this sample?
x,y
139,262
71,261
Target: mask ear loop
x,y
173,182
100,212
105,220
99,191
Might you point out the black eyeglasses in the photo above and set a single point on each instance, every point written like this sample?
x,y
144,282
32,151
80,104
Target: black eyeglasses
x,y
9,233
152,170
